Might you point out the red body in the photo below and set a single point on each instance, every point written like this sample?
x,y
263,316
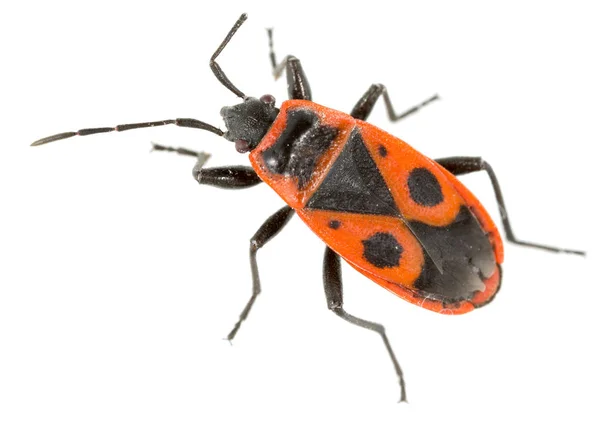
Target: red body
x,y
346,232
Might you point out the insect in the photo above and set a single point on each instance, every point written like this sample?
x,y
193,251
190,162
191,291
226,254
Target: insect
x,y
403,220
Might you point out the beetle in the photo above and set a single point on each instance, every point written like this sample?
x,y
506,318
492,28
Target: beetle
x,y
401,219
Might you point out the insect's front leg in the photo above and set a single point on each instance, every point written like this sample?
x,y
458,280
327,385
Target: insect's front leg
x,y
225,177
298,87
365,105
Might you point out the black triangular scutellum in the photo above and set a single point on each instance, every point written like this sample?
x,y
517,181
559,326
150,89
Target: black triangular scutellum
x,y
354,184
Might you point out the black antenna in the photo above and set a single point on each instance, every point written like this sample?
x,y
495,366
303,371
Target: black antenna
x,y
180,122
214,66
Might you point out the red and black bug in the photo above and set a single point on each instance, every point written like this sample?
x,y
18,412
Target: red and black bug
x,y
396,216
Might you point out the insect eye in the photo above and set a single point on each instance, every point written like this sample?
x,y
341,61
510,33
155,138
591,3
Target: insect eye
x,y
268,99
242,146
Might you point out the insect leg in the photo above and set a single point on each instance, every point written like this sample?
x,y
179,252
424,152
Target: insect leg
x,y
298,87
365,105
200,155
266,232
332,280
466,165
226,177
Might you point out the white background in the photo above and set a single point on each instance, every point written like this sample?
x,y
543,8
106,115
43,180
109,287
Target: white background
x,y
120,275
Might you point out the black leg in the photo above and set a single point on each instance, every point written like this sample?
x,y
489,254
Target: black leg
x,y
332,280
298,87
200,155
466,165
266,232
226,177
363,108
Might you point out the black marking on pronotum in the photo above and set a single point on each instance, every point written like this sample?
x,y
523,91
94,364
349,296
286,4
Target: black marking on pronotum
x,y
297,149
382,151
382,250
334,225
465,254
354,184
424,188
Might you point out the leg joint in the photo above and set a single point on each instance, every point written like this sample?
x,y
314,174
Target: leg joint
x,y
335,306
254,245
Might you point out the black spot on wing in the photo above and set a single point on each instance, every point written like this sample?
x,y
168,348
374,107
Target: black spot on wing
x,y
463,251
300,145
382,250
334,225
424,188
354,184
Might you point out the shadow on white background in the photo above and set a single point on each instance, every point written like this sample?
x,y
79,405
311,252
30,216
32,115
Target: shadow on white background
x,y
120,275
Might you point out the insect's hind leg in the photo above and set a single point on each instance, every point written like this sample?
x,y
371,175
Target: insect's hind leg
x,y
466,165
365,105
272,226
298,86
332,281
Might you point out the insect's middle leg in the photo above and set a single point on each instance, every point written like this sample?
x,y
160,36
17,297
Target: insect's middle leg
x,y
466,165
365,105
298,87
332,280
266,232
